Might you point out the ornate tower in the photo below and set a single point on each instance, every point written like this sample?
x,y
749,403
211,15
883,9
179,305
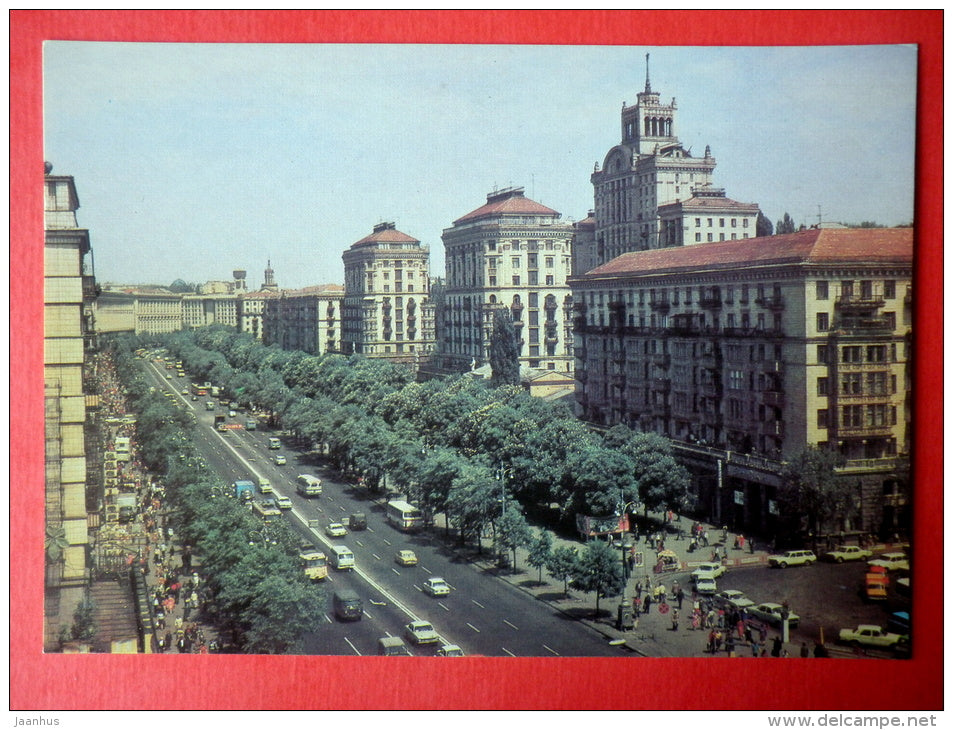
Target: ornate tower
x,y
269,284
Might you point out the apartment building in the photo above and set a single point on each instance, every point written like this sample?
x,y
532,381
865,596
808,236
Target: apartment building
x,y
307,319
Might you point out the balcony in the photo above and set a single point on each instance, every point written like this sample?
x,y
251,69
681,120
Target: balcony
x,y
862,303
711,301
773,398
660,305
774,303
875,323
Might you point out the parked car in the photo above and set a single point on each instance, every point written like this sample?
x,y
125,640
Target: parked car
x,y
436,587
335,529
792,557
891,561
847,552
705,586
421,632
875,587
392,646
733,599
284,503
709,570
771,613
406,557
869,635
280,460
449,650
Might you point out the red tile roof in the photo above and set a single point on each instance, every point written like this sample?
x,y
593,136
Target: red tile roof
x,y
824,245
386,235
508,202
709,203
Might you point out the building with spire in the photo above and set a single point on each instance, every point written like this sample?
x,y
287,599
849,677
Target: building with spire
x,y
269,284
387,311
648,169
515,253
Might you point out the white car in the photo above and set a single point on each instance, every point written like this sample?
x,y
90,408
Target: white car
x,y
709,570
792,557
733,599
336,529
771,613
406,557
449,650
891,561
869,635
421,632
280,460
284,503
847,552
706,586
436,587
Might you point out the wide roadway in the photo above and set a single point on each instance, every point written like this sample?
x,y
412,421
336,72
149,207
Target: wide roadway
x,y
483,615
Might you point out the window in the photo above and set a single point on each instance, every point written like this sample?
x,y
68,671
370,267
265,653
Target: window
x,y
550,261
876,353
698,238
823,353
822,291
515,262
734,222
823,321
852,416
711,237
847,289
890,289
549,280
852,353
516,280
822,386
533,299
721,222
698,222
822,418
851,384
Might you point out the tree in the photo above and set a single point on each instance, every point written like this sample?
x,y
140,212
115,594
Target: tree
x,y
563,564
763,226
810,488
785,225
662,481
600,570
504,350
540,550
513,530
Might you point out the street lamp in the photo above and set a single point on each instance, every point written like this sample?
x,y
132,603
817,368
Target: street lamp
x,y
263,537
501,474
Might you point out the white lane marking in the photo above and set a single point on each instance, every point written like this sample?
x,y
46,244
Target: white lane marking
x,y
374,554
473,627
359,543
352,646
368,614
508,651
424,569
328,619
396,572
551,650
510,625
478,603
385,539
443,607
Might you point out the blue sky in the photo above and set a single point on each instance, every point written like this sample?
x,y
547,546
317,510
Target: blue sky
x,y
192,160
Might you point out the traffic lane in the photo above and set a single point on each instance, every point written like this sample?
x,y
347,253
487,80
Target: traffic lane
x,y
824,595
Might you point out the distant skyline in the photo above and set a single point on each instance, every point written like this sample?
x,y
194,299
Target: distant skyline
x,y
192,160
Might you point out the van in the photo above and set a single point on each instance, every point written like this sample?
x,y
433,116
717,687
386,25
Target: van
x,y
264,486
392,646
347,605
308,485
341,557
274,443
357,521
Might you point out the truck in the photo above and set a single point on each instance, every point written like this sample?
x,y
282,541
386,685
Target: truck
x,y
220,422
127,503
404,516
244,489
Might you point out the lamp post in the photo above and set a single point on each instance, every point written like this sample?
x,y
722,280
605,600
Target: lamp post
x,y
622,513
501,475
263,537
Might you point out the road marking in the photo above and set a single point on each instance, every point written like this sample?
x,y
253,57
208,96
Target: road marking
x,y
385,539
352,646
443,607
359,543
551,650
424,569
478,603
374,554
508,651
510,625
328,618
368,614
396,572
473,627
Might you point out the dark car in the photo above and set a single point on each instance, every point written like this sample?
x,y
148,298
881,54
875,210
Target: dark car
x,y
357,521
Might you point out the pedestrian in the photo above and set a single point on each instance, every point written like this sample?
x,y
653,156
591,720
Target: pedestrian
x,y
638,589
776,647
636,605
820,651
741,542
679,596
755,648
675,619
648,602
740,626
805,652
729,644
711,641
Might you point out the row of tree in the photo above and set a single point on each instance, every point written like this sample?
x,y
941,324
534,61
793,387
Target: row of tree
x,y
260,598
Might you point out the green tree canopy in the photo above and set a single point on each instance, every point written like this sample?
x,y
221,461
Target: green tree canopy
x,y
504,349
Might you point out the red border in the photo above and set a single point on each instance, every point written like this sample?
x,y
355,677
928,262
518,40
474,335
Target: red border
x,y
57,682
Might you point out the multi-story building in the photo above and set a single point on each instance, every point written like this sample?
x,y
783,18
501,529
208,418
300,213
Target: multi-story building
x,y
649,168
200,310
757,347
387,310
705,217
142,310
69,335
510,253
307,319
251,312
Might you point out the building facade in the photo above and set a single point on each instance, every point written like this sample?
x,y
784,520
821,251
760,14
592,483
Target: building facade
x,y
706,217
307,319
387,310
649,168
510,253
757,347
70,395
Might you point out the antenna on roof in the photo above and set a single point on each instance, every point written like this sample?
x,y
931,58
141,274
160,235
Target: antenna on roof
x,y
648,85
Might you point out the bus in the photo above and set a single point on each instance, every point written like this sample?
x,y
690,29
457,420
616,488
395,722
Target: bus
x,y
313,562
404,516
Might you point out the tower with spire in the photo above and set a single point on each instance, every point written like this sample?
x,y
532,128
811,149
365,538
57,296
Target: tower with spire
x,y
647,169
269,284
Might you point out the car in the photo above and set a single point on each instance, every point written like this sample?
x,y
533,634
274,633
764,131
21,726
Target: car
x,y
771,613
280,460
705,586
436,587
406,557
283,503
875,589
733,599
335,529
168,377
847,552
449,650
868,635
903,586
899,623
421,632
792,557
232,414
891,561
185,391
709,570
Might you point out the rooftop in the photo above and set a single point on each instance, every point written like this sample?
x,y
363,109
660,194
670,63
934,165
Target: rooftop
x,y
510,201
